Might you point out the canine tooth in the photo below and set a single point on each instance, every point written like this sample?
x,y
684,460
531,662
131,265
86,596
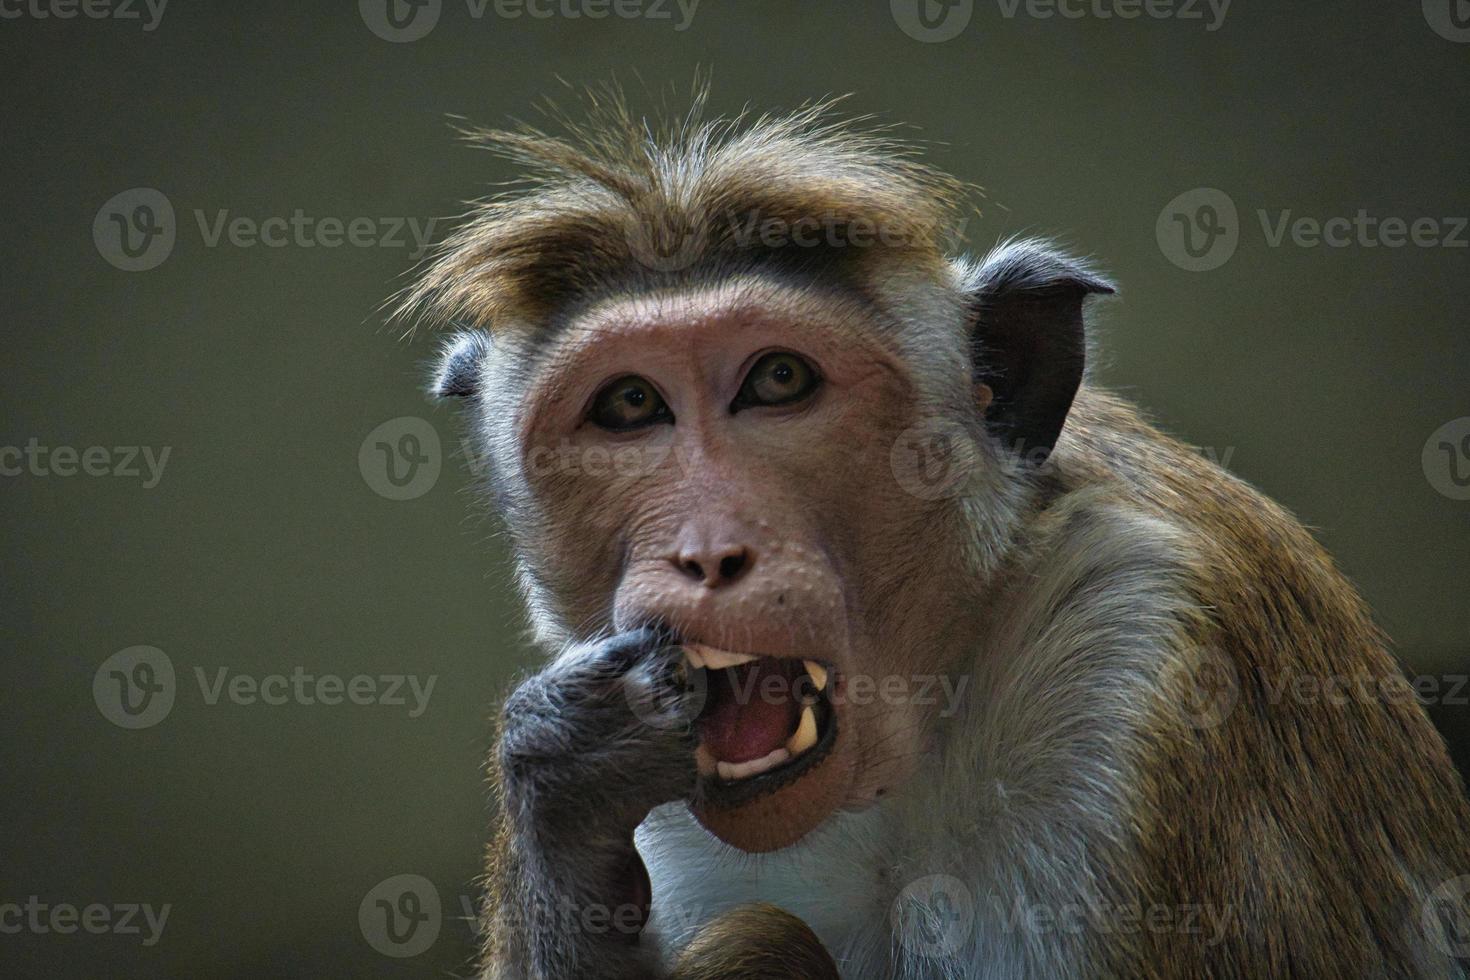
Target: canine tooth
x,y
817,673
704,761
718,659
805,735
694,657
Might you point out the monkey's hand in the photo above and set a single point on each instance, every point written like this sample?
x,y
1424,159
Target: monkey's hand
x,y
587,748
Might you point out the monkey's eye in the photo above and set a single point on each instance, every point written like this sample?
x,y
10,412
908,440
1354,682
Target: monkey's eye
x,y
779,378
630,402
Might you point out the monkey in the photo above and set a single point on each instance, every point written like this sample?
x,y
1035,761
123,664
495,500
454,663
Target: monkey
x,y
767,493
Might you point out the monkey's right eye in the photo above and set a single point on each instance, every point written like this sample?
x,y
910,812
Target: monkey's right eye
x,y
630,402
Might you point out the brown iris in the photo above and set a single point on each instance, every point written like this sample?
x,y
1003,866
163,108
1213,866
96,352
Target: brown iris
x,y
630,402
778,378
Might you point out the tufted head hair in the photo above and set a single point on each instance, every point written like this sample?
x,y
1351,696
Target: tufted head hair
x,y
618,202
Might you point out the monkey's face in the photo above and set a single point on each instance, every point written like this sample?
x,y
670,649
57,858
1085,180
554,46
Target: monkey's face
x,y
722,466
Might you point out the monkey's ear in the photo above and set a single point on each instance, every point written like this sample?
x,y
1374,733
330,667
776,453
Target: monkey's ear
x,y
1028,342
457,373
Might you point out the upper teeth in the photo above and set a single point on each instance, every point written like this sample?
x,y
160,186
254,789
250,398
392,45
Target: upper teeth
x,y
714,659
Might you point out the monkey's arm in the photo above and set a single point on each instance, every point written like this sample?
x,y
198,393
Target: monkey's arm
x,y
587,748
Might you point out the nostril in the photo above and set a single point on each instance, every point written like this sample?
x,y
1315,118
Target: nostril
x,y
732,565
693,569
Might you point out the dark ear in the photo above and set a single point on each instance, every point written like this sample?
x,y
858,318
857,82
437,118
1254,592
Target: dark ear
x,y
1028,342
458,371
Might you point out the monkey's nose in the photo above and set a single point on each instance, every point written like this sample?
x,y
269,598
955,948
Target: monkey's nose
x,y
715,566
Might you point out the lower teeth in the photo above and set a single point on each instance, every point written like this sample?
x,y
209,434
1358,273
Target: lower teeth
x,y
731,771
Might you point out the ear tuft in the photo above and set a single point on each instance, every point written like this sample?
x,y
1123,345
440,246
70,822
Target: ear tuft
x,y
1031,265
1029,345
458,372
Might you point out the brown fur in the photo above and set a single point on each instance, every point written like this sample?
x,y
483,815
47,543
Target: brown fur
x,y
1321,826
611,191
788,950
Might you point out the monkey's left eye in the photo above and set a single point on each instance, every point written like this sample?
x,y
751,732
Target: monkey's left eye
x,y
630,402
779,378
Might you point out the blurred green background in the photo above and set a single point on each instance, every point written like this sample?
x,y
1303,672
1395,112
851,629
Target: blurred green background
x,y
1318,373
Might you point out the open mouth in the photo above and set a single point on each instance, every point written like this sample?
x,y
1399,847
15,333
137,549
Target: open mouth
x,y
766,721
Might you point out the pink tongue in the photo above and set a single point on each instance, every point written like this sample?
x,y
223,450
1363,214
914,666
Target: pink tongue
x,y
748,719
